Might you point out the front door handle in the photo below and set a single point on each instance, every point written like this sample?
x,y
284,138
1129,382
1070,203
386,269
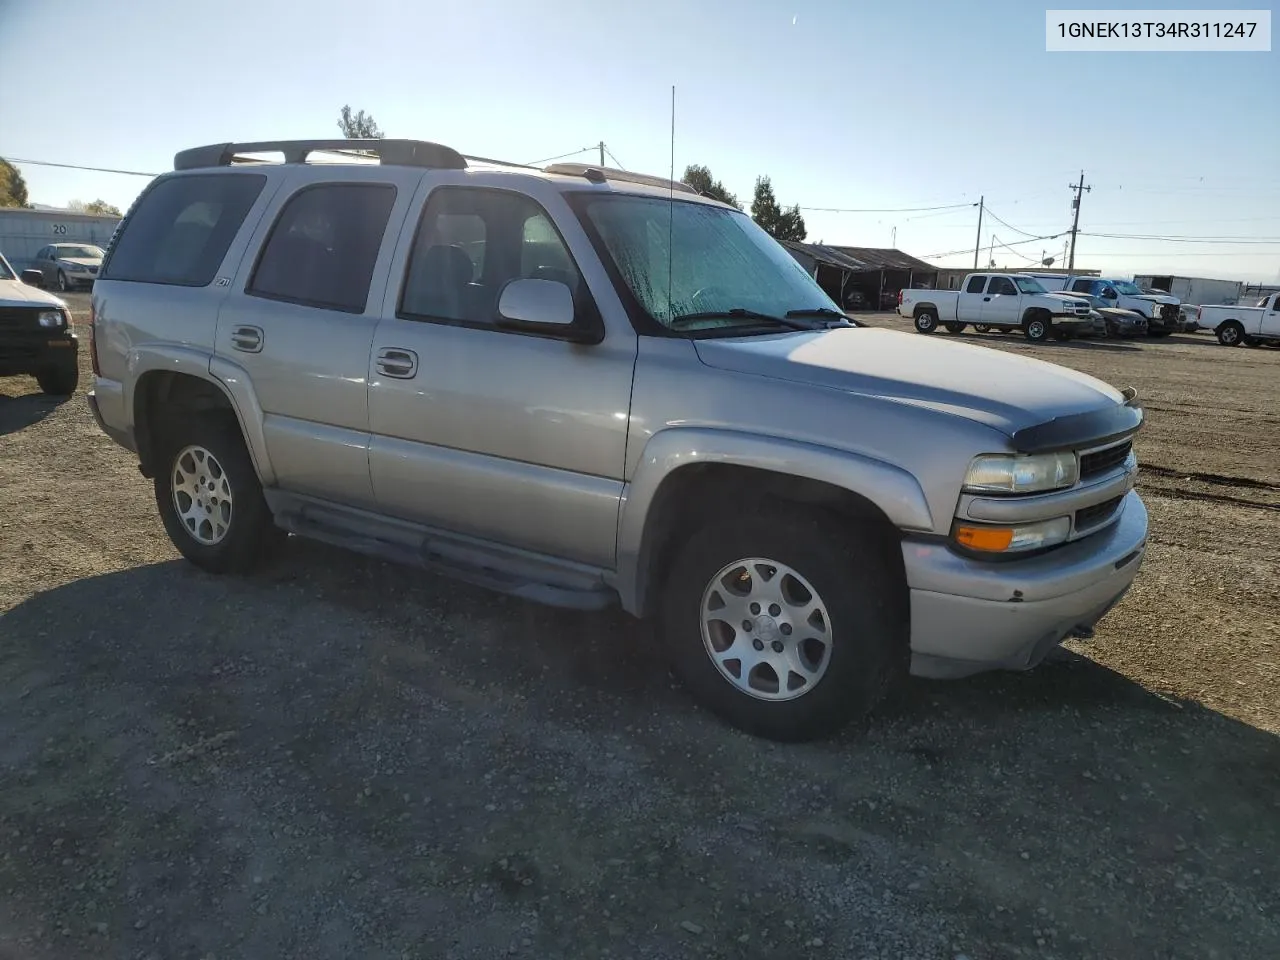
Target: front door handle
x,y
397,362
247,339
986,298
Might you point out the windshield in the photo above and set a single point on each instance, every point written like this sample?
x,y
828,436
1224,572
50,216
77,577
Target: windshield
x,y
6,271
680,258
85,252
1029,285
1127,288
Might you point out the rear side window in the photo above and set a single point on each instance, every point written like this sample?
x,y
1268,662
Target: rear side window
x,y
975,284
1082,286
323,246
181,229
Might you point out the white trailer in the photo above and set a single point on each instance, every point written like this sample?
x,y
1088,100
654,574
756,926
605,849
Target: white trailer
x,y
1200,291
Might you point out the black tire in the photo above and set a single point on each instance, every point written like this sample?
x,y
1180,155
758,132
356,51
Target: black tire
x,y
981,327
954,326
926,320
1062,336
63,285
250,533
1037,329
59,381
1231,334
869,647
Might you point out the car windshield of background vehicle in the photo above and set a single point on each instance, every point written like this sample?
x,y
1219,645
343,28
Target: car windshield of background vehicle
x,y
1128,289
87,253
680,258
6,272
1028,285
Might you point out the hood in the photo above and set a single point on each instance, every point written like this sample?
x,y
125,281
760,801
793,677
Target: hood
x,y
15,293
1119,313
1154,298
998,389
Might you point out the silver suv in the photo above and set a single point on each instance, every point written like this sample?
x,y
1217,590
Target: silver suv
x,y
584,386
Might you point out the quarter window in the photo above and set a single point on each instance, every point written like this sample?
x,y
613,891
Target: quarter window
x,y
470,244
975,284
323,247
181,229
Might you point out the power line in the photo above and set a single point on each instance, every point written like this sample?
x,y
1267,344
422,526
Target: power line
x,y
1181,239
73,166
1016,243
571,153
950,206
616,161
1032,236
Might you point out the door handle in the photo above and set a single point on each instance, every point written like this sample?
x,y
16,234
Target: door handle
x,y
986,298
397,362
247,339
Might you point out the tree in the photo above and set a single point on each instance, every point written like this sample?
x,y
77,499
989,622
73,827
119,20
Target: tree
x,y
701,180
357,126
13,189
778,223
95,206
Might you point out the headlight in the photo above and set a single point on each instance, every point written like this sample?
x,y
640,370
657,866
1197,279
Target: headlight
x,y
1027,536
51,318
1007,473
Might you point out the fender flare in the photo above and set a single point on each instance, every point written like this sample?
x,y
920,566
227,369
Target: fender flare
x,y
893,490
227,376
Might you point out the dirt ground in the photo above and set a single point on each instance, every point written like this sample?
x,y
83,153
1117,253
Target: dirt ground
x,y
339,758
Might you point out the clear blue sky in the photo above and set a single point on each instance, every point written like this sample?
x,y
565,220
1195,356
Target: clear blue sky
x,y
842,103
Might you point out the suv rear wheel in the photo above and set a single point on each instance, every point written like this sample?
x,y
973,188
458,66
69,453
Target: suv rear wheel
x,y
780,628
209,497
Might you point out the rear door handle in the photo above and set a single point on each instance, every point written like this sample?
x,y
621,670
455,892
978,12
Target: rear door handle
x,y
986,298
247,339
397,362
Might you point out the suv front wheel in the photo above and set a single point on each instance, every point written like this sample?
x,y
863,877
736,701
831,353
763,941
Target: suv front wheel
x,y
209,497
780,627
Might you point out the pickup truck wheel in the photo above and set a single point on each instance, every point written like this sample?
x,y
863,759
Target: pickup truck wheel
x,y
1231,334
59,381
955,327
209,497
780,628
926,321
1037,330
981,328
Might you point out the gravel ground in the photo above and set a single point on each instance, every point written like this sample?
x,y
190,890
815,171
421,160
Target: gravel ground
x,y
341,758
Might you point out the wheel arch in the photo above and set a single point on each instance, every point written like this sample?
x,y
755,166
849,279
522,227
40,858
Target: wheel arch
x,y
686,473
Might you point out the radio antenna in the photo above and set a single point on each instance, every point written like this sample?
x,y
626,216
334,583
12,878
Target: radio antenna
x,y
671,204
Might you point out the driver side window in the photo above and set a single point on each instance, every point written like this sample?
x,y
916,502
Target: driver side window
x,y
1002,286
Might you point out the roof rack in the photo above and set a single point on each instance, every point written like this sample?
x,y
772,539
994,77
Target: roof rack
x,y
600,174
401,153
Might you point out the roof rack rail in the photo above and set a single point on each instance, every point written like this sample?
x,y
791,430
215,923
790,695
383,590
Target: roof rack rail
x,y
597,174
401,153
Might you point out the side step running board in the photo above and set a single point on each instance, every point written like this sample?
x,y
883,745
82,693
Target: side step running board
x,y
519,574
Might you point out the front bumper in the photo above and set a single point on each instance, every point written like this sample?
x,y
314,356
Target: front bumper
x,y
970,616
33,352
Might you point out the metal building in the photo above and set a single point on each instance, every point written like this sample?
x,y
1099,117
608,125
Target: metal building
x,y
24,231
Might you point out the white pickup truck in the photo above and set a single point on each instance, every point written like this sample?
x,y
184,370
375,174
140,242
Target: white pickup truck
x,y
1236,325
997,300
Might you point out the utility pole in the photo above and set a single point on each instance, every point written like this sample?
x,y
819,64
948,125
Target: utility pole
x,y
1079,190
978,242
602,154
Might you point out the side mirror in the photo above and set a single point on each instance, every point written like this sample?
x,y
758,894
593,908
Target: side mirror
x,y
539,306
33,278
